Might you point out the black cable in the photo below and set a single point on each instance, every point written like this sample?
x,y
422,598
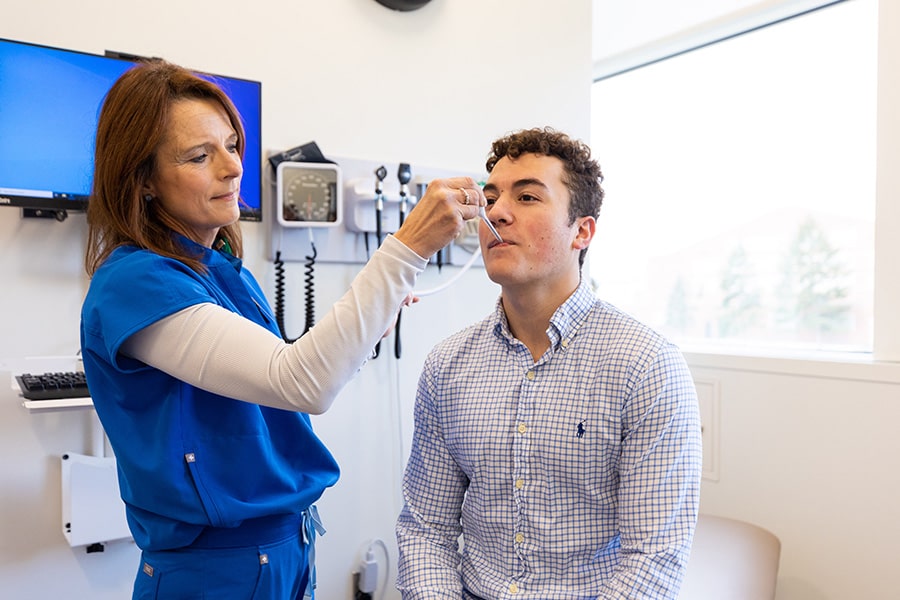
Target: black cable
x,y
399,312
397,335
378,226
378,201
404,174
377,350
380,174
309,289
309,293
279,296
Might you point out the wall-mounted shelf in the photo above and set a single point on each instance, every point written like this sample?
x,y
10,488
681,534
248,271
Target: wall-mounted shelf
x,y
62,403
45,364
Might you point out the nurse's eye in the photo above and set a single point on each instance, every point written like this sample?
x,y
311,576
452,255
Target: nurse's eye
x,y
200,158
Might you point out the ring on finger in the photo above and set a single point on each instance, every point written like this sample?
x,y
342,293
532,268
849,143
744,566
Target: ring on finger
x,y
466,194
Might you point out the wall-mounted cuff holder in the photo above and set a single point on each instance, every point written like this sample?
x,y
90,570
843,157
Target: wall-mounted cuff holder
x,y
92,510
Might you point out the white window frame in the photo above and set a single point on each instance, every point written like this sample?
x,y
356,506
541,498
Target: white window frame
x,y
703,34
886,342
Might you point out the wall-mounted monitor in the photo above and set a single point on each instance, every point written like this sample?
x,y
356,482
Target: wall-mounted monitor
x,y
50,100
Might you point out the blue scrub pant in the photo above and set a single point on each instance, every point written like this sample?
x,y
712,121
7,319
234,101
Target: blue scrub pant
x,y
262,559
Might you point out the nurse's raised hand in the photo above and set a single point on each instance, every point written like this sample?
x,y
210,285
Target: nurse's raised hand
x,y
440,214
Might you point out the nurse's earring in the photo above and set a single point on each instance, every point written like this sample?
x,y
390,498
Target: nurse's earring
x,y
148,198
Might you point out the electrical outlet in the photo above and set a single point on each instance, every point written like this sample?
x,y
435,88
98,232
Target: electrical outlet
x,y
368,573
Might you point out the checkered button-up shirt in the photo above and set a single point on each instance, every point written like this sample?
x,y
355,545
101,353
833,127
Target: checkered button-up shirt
x,y
573,476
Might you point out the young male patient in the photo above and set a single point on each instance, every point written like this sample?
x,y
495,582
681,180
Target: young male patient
x,y
557,448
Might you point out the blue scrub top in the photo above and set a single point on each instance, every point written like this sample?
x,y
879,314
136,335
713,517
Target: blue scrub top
x,y
188,458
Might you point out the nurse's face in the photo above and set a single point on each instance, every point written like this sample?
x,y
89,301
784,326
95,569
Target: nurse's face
x,y
197,176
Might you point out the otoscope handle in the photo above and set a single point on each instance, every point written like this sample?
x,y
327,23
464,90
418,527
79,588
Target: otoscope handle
x,y
404,173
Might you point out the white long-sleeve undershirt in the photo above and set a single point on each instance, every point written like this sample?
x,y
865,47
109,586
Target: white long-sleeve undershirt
x,y
220,351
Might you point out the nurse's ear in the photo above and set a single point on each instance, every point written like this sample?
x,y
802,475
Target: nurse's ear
x,y
147,194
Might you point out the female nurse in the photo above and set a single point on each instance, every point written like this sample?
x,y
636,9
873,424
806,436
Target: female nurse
x,y
205,406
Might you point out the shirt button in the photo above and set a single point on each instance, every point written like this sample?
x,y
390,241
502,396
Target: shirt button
x,y
520,483
529,375
565,343
520,538
513,588
522,428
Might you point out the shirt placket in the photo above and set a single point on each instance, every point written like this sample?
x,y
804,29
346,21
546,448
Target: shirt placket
x,y
522,467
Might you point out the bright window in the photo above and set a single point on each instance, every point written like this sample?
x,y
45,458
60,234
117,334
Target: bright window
x,y
740,182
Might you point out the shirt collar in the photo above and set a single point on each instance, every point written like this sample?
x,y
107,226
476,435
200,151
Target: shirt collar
x,y
565,321
208,256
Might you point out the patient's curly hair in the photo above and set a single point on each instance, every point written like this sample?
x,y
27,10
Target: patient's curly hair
x,y
582,174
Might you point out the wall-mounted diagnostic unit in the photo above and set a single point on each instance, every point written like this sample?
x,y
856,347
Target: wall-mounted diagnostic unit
x,y
349,206
309,194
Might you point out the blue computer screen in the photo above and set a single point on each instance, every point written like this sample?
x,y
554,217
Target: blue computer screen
x,y
50,99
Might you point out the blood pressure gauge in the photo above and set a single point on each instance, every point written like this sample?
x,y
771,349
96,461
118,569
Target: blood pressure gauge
x,y
309,194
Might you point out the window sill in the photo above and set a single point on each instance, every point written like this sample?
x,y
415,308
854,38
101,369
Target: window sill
x,y
822,365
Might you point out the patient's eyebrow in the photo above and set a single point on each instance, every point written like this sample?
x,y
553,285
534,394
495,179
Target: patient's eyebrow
x,y
531,181
518,184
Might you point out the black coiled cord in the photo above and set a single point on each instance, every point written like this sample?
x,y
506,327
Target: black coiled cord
x,y
309,292
279,296
309,289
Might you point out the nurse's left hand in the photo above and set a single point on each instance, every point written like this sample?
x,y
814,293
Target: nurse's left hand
x,y
410,299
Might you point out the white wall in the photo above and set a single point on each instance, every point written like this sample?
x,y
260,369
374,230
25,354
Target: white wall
x,y
810,452
431,87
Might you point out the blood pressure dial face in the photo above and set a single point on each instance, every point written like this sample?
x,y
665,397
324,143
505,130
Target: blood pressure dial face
x,y
309,194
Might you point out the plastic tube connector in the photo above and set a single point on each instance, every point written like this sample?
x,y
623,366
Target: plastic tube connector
x,y
368,573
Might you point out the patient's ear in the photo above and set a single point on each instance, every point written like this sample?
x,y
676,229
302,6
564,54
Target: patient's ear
x,y
585,233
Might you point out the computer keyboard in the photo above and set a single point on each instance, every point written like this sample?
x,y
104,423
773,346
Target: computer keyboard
x,y
53,386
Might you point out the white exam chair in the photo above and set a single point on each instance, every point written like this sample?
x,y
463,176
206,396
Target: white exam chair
x,y
731,560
